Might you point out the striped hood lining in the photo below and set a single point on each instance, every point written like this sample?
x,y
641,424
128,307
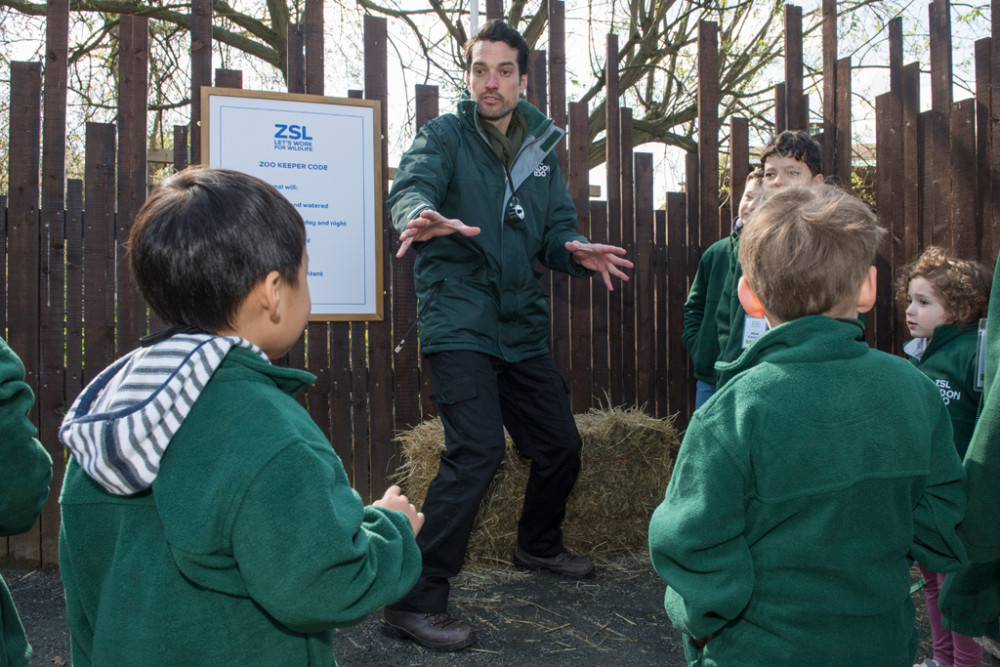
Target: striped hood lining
x,y
120,426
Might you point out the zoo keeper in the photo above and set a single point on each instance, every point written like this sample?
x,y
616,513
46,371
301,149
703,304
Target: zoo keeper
x,y
479,196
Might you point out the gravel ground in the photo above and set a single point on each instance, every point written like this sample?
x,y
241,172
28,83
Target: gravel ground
x,y
521,618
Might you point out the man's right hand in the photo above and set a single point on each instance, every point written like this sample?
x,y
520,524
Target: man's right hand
x,y
429,224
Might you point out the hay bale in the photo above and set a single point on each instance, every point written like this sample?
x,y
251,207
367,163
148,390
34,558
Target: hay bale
x,y
627,458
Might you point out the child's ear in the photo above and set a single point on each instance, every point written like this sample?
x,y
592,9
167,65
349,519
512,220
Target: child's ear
x,y
270,294
748,299
817,179
867,293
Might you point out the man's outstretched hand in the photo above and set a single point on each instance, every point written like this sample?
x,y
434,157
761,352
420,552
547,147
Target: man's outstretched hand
x,y
429,224
601,258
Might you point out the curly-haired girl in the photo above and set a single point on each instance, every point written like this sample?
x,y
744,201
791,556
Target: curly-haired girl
x,y
946,298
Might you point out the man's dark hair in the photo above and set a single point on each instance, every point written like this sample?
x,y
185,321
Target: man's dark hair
x,y
205,238
499,31
797,145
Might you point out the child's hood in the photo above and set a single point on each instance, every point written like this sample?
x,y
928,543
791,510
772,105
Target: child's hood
x,y
120,426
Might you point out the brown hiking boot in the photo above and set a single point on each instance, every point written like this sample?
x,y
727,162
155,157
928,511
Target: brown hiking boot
x,y
436,630
564,564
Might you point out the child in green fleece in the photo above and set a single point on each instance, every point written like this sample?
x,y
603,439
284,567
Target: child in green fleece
x,y
805,488
206,520
25,473
700,336
946,298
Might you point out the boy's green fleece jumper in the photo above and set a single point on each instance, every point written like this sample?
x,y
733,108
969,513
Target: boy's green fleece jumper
x,y
248,545
701,335
25,473
950,361
800,496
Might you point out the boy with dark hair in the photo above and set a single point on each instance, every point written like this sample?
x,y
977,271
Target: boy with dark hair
x,y
787,531
205,518
25,473
700,336
791,159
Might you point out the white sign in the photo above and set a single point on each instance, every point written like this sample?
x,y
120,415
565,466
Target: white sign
x,y
324,155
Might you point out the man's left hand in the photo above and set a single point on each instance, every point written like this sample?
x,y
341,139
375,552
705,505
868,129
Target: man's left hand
x,y
601,258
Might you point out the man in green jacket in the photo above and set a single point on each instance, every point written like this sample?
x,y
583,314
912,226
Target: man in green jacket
x,y
25,473
480,197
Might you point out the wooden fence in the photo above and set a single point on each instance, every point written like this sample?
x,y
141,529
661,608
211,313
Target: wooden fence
x,y
70,307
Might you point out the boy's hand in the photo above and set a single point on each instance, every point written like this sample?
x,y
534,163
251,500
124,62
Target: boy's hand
x,y
394,500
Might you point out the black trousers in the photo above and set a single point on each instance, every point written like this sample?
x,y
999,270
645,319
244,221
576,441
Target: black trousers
x,y
477,395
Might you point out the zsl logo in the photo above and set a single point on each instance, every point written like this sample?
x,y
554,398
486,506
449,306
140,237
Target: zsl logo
x,y
291,132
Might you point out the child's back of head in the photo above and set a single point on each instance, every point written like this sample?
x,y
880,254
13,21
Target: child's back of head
x,y
808,251
205,238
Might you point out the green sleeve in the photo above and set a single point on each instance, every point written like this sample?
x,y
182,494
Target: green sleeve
x,y
422,177
694,306
310,553
697,538
941,506
25,466
561,228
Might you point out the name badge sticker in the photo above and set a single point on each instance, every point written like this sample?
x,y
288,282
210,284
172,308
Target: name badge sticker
x,y
753,328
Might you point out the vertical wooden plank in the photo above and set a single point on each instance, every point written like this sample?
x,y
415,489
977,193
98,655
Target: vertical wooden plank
x,y
23,245
557,72
829,84
426,109
405,306
967,233
677,375
537,93
887,197
599,315
662,267
99,249
359,440
201,67
228,78
912,192
925,147
896,55
133,86
51,397
708,132
180,147
739,162
626,360
613,164
578,157
692,210
380,388
314,49
74,288
938,195
319,395
794,112
780,118
987,250
842,158
494,9
642,283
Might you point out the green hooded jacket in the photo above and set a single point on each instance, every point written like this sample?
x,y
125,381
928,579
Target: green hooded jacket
x,y
482,293
25,473
801,494
701,333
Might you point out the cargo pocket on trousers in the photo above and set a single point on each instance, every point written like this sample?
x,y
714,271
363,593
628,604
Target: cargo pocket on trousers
x,y
457,389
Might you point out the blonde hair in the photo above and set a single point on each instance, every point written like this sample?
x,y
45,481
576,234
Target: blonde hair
x,y
806,251
962,285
